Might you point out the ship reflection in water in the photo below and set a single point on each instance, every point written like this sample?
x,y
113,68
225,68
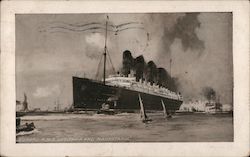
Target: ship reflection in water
x,y
127,127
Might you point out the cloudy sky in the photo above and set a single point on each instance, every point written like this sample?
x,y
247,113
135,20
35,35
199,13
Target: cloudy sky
x,y
51,48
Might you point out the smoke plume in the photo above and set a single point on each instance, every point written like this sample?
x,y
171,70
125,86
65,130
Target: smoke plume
x,y
185,30
147,71
209,93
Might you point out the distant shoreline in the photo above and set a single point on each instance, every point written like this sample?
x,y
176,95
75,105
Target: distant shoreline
x,y
38,113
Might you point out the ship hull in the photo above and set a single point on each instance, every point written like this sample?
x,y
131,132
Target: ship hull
x,y
89,94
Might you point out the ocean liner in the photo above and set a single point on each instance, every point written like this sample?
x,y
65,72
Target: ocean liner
x,y
121,92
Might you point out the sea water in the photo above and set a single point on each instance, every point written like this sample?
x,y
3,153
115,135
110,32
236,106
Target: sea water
x,y
128,127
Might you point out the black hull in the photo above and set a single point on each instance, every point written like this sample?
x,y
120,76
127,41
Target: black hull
x,y
89,94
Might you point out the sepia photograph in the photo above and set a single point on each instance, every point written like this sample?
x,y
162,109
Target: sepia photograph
x,y
127,78
135,77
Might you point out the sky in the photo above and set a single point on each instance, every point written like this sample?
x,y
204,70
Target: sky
x,y
51,48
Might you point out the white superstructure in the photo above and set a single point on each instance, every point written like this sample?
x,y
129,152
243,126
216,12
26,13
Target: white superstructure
x,y
141,86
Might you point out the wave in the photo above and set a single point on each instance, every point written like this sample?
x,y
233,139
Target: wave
x,y
23,133
75,116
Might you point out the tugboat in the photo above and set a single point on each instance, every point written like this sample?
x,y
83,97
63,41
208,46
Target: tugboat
x,y
213,107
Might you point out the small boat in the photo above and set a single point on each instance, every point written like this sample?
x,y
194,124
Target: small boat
x,y
25,127
106,110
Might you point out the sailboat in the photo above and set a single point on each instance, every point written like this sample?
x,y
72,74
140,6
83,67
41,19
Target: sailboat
x,y
144,116
165,112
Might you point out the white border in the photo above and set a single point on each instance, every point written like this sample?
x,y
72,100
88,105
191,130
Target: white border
x,y
240,146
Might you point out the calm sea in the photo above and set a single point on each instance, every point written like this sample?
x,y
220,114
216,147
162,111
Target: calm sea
x,y
127,127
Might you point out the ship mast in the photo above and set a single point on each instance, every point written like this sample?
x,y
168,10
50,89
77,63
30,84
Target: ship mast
x,y
105,51
170,64
118,28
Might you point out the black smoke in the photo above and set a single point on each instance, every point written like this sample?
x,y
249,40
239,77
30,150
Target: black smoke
x,y
185,30
209,93
147,71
